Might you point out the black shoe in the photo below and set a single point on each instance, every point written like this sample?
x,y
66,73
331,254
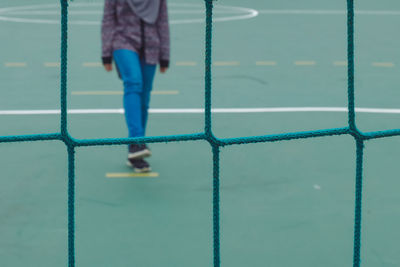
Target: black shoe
x,y
138,151
139,165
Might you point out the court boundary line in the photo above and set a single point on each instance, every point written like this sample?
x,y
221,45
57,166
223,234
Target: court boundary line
x,y
327,12
201,110
248,14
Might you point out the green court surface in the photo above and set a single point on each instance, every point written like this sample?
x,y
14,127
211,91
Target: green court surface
x,y
279,66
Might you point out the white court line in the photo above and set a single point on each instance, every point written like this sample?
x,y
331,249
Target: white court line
x,y
8,9
200,110
100,12
327,12
238,13
155,92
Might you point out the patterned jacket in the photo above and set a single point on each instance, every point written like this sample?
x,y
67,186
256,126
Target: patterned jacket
x,y
122,29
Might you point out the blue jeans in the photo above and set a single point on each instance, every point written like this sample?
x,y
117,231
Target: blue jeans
x,y
137,77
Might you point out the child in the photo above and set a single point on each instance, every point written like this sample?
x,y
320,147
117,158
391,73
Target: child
x,y
135,33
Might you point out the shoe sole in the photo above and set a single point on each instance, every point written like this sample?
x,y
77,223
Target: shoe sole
x,y
143,170
140,154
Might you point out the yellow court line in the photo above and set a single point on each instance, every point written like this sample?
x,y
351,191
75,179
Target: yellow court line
x,y
15,64
52,64
340,63
165,92
186,63
305,63
226,63
120,92
132,175
383,64
97,93
92,64
266,63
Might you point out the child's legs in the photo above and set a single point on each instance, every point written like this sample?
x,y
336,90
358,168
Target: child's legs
x,y
148,72
130,70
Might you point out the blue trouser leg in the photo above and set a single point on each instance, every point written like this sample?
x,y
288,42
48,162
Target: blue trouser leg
x,y
148,72
138,79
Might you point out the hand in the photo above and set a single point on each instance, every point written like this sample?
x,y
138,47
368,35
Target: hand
x,y
163,69
108,67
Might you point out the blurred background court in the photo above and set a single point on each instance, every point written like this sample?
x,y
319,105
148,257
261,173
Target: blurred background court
x,y
288,203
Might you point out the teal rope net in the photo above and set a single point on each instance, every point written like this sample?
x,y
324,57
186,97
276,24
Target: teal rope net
x,y
215,143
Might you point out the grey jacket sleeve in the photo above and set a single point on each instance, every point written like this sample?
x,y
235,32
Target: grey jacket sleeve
x,y
163,31
107,30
